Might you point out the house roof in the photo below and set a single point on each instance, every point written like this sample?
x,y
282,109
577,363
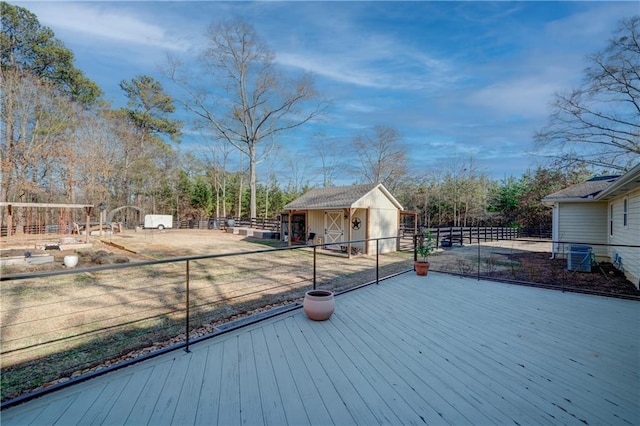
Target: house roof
x,y
337,197
601,188
582,191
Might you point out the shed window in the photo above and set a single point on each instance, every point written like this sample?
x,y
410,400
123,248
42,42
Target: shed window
x,y
625,211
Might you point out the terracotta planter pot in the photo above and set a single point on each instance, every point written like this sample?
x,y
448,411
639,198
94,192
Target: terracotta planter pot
x,y
319,304
421,267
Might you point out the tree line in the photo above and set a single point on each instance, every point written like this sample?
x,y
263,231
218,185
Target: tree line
x,y
63,143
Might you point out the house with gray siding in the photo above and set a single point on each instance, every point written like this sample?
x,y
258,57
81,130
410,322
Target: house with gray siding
x,y
603,212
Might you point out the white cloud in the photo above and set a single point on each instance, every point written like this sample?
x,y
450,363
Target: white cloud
x,y
527,96
346,52
380,71
592,26
92,21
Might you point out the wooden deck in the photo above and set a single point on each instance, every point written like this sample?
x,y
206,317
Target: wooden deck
x,y
435,350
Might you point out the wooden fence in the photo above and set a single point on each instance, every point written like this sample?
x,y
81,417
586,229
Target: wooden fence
x,y
459,235
270,224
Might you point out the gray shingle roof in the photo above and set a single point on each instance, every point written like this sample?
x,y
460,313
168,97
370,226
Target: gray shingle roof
x,y
588,189
330,198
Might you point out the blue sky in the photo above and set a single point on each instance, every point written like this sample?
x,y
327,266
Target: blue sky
x,y
456,79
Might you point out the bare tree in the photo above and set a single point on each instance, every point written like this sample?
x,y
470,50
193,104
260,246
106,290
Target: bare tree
x,y
254,101
599,123
331,157
36,123
383,156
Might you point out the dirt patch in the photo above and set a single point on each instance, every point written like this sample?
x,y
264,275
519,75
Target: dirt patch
x,y
530,261
539,268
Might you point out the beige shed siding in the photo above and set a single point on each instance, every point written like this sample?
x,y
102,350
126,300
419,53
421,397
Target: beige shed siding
x,y
315,223
384,224
384,217
584,223
379,217
627,236
361,233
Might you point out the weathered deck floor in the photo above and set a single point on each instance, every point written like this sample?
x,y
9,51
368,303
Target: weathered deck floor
x,y
440,350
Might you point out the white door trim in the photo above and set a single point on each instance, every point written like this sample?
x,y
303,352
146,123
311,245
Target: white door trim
x,y
333,226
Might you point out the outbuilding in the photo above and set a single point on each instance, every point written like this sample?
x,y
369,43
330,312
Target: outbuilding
x,y
335,216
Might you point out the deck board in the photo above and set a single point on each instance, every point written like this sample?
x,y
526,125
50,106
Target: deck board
x,y
412,350
127,399
250,404
272,406
105,401
187,404
519,360
75,410
229,401
314,371
170,393
289,393
360,375
459,357
313,403
209,398
411,357
148,396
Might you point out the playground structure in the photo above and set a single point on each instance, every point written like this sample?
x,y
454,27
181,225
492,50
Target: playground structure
x,y
44,224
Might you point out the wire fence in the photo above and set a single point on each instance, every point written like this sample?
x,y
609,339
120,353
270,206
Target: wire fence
x,y
70,324
64,324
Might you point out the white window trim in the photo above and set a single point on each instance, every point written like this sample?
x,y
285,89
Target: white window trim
x,y
611,219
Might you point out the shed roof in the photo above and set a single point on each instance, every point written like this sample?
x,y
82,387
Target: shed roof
x,y
337,197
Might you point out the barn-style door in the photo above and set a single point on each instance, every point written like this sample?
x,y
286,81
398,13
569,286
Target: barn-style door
x,y
333,226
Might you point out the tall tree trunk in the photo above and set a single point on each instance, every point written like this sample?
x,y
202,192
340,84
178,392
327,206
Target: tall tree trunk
x,y
252,181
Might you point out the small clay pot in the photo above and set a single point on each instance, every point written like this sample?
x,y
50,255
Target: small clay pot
x,y
421,267
319,304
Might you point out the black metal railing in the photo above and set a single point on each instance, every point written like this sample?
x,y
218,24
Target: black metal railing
x,y
83,318
580,266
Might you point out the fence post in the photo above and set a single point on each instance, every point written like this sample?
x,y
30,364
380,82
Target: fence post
x,y
186,348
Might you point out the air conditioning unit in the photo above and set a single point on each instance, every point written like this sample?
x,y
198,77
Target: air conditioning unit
x,y
579,258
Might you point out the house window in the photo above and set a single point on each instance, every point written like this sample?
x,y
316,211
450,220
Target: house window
x,y
625,211
611,219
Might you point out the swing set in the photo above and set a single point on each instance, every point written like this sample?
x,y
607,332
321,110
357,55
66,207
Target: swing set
x,y
26,222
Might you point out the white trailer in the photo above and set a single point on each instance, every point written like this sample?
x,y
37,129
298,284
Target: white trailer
x,y
159,221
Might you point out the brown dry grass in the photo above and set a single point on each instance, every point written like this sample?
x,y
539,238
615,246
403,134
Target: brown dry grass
x,y
61,325
91,317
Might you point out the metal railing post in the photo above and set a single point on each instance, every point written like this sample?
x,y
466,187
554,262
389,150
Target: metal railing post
x,y
314,266
377,261
186,348
478,252
415,249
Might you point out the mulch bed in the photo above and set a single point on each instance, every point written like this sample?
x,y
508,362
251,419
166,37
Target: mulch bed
x,y
539,268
